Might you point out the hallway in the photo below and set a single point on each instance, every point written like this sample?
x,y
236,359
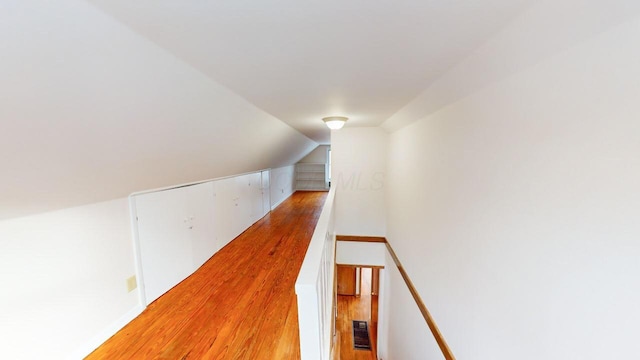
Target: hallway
x,y
239,305
357,308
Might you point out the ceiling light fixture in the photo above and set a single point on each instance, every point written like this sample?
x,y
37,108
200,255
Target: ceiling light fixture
x,y
335,122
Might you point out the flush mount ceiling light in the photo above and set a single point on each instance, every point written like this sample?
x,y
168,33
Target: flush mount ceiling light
x,y
335,122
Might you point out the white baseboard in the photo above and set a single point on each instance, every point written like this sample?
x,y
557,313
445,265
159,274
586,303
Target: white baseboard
x,y
104,335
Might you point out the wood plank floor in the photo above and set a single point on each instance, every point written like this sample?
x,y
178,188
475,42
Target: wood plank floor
x,y
356,308
240,304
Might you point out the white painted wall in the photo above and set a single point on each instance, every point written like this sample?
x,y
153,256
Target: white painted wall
x,y
282,184
179,229
399,318
545,28
317,156
515,209
176,233
360,253
68,268
92,111
358,174
63,277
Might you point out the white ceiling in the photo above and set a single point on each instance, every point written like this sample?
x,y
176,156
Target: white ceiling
x,y
91,112
303,60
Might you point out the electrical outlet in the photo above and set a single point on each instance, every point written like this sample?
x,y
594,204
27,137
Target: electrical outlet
x,y
132,284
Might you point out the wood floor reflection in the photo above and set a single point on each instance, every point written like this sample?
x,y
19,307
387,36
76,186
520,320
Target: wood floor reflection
x,y
357,308
239,305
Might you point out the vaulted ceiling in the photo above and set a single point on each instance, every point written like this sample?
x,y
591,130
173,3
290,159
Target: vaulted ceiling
x,y
102,98
303,60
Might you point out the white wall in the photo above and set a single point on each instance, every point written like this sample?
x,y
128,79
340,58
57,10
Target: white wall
x,y
68,268
360,253
318,155
178,230
545,28
515,209
282,184
63,277
399,318
91,111
358,174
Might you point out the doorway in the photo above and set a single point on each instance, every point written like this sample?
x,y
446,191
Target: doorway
x,y
357,294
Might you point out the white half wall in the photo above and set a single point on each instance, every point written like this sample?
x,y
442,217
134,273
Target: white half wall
x,y
315,287
282,184
359,174
63,276
515,209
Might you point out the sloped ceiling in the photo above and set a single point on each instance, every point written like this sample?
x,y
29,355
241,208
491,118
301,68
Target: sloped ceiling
x,y
540,31
90,111
303,60
102,98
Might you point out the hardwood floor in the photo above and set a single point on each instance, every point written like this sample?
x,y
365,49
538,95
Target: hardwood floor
x,y
357,308
240,304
